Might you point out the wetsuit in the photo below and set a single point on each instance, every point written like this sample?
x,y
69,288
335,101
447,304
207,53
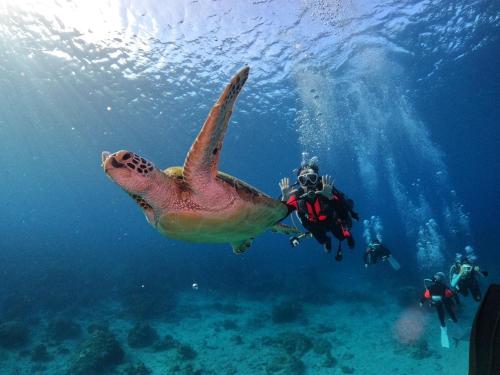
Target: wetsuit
x,y
320,215
466,282
440,297
375,252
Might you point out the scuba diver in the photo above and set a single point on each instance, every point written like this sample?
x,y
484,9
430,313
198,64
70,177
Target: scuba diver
x,y
320,206
376,252
464,277
440,296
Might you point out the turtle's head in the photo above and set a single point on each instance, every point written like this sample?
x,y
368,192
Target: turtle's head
x,y
130,171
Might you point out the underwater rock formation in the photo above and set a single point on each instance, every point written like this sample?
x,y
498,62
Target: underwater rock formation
x,y
142,336
98,354
13,334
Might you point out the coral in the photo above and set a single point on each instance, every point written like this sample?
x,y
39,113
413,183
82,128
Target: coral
x,y
286,312
330,361
293,343
139,369
421,350
167,343
285,365
323,328
322,346
347,370
97,326
185,352
13,334
40,354
141,336
186,370
62,329
98,354
237,340
227,324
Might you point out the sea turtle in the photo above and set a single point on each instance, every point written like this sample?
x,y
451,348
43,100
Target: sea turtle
x,y
196,202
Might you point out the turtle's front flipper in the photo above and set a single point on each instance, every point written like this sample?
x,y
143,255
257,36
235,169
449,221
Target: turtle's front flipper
x,y
241,247
200,166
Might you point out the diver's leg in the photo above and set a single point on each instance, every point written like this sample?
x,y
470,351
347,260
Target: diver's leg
x,y
440,311
320,235
449,309
475,291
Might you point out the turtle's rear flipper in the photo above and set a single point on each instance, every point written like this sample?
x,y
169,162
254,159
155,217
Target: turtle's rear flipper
x,y
484,349
241,247
285,229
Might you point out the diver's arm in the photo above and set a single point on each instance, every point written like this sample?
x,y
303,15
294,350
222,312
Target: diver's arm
x,y
481,272
455,279
286,189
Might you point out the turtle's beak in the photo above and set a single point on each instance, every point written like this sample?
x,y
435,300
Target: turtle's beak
x,y
104,156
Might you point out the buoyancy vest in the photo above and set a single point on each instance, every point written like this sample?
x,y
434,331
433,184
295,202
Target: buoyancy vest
x,y
318,209
437,291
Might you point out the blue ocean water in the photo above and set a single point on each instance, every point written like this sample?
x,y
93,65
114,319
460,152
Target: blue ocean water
x,y
397,99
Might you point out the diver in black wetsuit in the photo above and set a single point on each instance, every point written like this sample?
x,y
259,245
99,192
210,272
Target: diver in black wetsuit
x,y
464,277
376,252
440,296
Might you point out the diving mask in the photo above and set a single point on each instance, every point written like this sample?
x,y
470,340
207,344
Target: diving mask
x,y
311,178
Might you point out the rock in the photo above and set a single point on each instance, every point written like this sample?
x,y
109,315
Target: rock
x,y
142,336
13,334
98,354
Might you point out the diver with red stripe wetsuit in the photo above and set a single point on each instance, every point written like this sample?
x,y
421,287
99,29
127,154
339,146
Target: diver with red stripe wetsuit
x,y
320,206
440,296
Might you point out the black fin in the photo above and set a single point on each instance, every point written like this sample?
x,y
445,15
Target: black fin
x,y
484,350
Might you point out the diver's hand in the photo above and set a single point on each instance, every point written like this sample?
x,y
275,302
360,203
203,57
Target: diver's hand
x,y
286,189
327,190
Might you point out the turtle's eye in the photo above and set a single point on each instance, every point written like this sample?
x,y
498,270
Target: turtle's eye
x,y
126,156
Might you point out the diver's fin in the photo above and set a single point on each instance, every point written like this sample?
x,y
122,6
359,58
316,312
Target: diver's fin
x,y
202,160
241,247
394,263
445,341
484,348
285,229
